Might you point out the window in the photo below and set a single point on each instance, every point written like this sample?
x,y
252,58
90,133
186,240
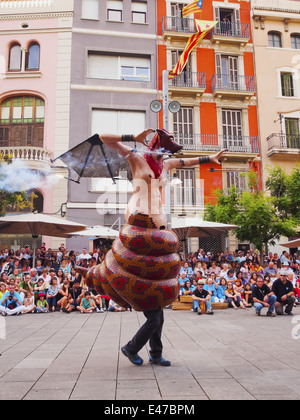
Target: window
x,y
15,58
292,133
33,57
287,84
184,194
236,179
274,39
90,9
118,121
229,22
227,72
183,127
130,68
232,128
139,11
295,41
115,10
22,122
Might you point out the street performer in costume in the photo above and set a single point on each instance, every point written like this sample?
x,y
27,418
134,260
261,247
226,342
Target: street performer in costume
x,y
141,268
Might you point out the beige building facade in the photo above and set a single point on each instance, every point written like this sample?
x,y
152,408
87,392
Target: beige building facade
x,y
276,42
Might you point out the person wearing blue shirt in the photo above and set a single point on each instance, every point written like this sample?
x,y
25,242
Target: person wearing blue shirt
x,y
221,290
230,275
11,302
188,270
211,286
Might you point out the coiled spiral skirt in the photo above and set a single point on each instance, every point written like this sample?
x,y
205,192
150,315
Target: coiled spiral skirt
x,y
141,268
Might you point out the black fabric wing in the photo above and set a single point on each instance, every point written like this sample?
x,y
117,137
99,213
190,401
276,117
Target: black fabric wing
x,y
93,159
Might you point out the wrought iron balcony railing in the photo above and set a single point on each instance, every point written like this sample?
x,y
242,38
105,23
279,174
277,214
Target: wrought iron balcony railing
x,y
189,80
215,142
285,142
231,82
178,24
233,30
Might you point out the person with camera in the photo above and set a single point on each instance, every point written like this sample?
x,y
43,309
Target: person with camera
x,y
11,302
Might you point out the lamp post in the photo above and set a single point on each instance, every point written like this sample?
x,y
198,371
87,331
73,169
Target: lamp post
x,y
173,107
166,127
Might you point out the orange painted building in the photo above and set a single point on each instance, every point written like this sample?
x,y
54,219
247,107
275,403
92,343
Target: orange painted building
x,y
216,91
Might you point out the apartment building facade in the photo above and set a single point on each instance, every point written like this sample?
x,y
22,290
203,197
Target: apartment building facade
x,y
113,82
217,95
276,40
35,53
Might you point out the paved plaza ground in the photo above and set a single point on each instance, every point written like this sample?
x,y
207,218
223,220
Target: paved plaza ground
x,y
230,355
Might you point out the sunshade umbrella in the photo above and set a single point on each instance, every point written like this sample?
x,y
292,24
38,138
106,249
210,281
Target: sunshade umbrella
x,y
292,244
37,224
97,232
194,227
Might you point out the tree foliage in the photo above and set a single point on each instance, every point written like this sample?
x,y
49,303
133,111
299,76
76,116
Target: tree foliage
x,y
262,218
286,191
17,199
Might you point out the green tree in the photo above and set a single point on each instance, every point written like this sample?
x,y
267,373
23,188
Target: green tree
x,y
16,199
286,191
255,213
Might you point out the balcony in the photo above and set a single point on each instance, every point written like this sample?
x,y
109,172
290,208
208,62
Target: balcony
x,y
188,83
33,154
177,27
233,86
216,142
234,33
283,145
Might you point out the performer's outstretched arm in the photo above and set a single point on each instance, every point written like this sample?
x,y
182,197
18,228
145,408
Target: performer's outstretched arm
x,y
189,162
116,142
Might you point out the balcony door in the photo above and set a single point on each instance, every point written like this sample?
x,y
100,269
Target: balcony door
x,y
292,133
232,128
183,127
185,193
229,22
185,78
179,23
227,72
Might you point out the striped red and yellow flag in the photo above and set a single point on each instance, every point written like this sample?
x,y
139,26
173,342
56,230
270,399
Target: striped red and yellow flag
x,y
203,27
194,7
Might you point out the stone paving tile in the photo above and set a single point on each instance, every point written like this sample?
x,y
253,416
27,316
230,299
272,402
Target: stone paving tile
x,y
224,389
183,387
48,395
22,375
15,390
94,390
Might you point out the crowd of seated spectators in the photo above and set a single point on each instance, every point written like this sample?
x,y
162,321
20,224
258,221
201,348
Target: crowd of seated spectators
x,y
236,278
51,284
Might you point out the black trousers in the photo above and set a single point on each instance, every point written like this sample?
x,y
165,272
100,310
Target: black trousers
x,y
150,331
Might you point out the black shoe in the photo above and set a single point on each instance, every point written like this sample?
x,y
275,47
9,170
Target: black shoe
x,y
160,361
270,314
289,313
199,312
134,358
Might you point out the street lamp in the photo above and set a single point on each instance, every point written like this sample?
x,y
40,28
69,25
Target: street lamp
x,y
173,107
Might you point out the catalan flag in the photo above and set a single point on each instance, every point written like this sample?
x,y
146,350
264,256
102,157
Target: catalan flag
x,y
194,7
203,27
